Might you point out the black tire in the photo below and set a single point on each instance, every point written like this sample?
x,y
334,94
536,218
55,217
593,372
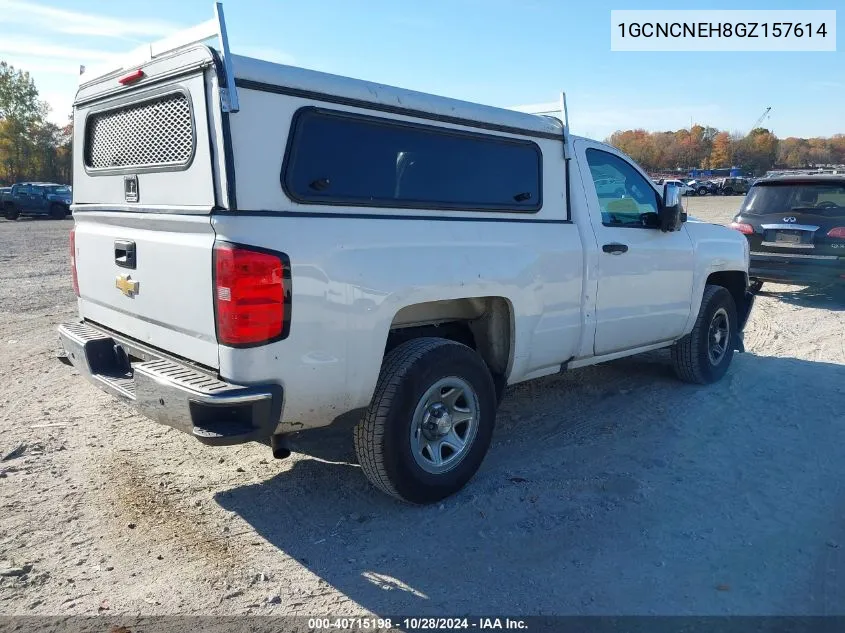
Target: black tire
x,y
702,191
755,285
383,439
691,356
729,192
58,211
11,213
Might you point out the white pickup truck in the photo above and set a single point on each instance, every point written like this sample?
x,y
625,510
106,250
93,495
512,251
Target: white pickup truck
x,y
261,249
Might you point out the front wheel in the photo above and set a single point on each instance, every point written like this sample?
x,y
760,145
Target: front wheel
x,y
755,285
430,421
702,191
704,355
11,213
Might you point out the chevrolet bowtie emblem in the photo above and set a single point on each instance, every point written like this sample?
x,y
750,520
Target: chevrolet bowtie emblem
x,y
126,285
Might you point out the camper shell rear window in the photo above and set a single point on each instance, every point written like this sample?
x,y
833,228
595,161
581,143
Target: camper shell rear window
x,y
152,134
347,159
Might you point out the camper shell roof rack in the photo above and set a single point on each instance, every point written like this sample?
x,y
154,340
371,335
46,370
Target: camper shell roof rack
x,y
214,28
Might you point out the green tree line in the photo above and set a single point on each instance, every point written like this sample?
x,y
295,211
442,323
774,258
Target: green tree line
x,y
708,148
31,147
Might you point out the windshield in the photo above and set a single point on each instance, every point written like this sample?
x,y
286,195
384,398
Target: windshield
x,y
62,191
810,197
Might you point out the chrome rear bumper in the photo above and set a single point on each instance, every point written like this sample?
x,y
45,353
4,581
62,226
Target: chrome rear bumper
x,y
172,392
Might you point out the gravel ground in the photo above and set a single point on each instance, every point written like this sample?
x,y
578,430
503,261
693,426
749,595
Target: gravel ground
x,y
609,490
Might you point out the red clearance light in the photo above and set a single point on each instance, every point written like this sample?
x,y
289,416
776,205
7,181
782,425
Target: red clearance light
x,y
73,261
838,233
251,295
131,78
742,227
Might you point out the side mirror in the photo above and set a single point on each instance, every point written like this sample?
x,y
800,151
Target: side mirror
x,y
671,213
671,195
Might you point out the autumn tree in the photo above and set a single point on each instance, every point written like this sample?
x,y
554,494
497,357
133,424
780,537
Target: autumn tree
x,y
706,147
31,148
720,151
793,152
639,145
757,152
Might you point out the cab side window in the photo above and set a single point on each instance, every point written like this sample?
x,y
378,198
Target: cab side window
x,y
624,195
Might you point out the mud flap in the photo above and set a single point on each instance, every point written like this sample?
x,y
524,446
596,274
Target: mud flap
x,y
739,345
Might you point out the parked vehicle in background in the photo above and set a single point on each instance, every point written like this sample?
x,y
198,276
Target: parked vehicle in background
x,y
734,186
610,187
35,199
683,187
389,257
795,226
703,187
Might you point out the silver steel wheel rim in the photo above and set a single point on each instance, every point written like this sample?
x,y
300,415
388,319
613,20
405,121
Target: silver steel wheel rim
x,y
718,336
444,425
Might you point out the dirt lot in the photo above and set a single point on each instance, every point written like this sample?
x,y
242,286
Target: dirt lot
x,y
611,490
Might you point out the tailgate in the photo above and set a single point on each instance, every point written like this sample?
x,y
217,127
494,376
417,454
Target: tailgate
x,y
166,299
145,158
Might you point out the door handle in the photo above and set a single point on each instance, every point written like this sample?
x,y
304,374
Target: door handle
x,y
124,254
615,248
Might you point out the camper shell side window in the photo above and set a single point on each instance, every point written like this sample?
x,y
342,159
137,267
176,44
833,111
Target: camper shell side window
x,y
348,159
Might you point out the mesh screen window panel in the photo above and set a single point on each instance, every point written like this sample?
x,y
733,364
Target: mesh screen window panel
x,y
154,133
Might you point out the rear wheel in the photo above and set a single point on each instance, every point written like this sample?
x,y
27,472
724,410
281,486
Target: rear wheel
x,y
58,212
11,212
430,422
729,192
755,285
702,191
704,355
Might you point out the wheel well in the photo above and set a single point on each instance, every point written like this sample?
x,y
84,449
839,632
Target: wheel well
x,y
482,323
736,282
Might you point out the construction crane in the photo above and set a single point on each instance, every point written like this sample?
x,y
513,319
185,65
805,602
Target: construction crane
x,y
762,116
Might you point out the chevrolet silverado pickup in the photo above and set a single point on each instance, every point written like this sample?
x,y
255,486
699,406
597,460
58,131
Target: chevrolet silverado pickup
x,y
260,249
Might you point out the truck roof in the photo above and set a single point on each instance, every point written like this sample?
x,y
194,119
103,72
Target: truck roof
x,y
251,72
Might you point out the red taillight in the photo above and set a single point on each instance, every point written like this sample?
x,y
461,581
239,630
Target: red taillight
x,y
73,261
251,289
838,233
742,227
131,78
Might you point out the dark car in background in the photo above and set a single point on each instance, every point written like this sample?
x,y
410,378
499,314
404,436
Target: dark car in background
x,y
795,227
703,187
36,198
734,186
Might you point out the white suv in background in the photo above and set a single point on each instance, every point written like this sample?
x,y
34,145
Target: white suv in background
x,y
683,188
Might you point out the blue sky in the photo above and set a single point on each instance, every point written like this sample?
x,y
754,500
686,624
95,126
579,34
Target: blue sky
x,y
498,52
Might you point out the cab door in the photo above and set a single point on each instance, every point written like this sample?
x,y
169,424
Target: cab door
x,y
20,196
645,276
37,199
